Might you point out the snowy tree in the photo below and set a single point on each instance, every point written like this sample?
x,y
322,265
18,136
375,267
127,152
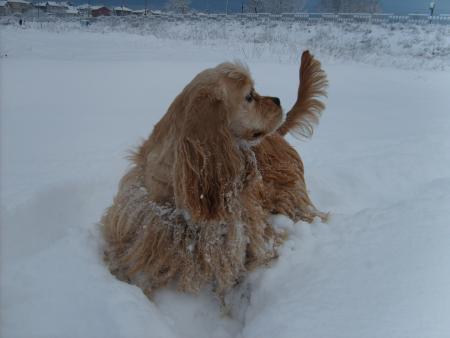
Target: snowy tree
x,y
283,6
361,6
349,6
179,6
276,6
255,6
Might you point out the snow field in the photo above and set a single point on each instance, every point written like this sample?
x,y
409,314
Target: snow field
x,y
74,102
406,46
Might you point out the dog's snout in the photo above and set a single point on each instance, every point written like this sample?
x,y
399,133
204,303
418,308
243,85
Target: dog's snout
x,y
276,100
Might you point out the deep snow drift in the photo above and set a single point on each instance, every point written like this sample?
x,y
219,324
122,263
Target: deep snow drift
x,y
73,103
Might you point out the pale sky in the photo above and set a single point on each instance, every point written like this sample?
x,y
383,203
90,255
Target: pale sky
x,y
413,6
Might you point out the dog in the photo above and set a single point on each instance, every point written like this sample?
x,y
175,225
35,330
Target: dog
x,y
194,209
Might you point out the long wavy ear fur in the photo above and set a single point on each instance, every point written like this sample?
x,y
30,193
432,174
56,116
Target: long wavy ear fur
x,y
208,164
305,113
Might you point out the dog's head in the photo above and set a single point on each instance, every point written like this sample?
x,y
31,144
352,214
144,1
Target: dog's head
x,y
251,116
225,97
218,111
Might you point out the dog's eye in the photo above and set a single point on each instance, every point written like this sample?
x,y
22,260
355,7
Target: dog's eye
x,y
249,97
257,134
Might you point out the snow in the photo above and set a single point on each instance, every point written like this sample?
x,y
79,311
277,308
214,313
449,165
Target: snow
x,y
96,7
84,6
19,1
122,8
57,4
73,103
405,46
71,10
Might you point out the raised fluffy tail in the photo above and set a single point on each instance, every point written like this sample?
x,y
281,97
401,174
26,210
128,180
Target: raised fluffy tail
x,y
305,113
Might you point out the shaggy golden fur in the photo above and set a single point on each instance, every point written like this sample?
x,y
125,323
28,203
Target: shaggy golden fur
x,y
194,207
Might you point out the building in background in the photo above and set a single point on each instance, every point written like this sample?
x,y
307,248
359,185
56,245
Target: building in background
x,y
53,7
84,10
56,8
4,8
122,11
19,6
71,11
141,12
100,11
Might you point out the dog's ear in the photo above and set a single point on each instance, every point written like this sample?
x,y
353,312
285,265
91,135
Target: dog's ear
x,y
208,163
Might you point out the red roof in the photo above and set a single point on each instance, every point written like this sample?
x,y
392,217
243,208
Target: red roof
x,y
101,11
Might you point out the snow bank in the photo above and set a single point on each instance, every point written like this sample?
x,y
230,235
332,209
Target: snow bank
x,y
74,102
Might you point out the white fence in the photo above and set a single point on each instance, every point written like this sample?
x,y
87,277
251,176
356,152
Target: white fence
x,y
309,17
378,18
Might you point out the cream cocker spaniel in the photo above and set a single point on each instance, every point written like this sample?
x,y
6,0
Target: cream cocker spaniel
x,y
194,208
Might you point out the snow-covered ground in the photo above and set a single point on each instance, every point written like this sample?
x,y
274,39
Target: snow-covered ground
x,y
405,46
72,103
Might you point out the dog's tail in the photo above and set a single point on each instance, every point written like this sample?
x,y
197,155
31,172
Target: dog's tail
x,y
305,113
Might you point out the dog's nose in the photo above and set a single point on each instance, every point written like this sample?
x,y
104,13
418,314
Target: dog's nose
x,y
276,100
